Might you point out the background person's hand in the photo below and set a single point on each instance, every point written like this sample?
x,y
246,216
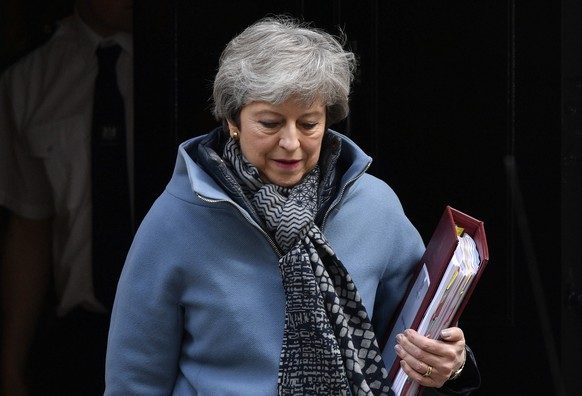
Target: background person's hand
x,y
12,383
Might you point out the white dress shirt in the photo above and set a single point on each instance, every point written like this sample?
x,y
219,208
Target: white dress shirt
x,y
46,104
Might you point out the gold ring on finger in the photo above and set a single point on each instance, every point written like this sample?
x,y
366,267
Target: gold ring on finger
x,y
428,371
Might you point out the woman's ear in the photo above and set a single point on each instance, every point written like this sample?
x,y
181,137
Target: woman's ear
x,y
233,130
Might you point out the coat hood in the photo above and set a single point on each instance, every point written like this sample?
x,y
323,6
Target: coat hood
x,y
191,182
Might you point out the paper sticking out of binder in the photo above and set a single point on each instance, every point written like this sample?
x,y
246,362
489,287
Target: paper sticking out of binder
x,y
445,278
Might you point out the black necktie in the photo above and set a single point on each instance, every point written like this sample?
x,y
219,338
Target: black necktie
x,y
112,230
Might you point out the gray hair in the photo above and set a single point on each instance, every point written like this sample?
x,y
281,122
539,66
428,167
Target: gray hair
x,y
278,58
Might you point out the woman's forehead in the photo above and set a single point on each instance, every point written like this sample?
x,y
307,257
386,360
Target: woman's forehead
x,y
290,105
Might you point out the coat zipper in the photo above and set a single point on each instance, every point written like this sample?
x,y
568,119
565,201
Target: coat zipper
x,y
253,224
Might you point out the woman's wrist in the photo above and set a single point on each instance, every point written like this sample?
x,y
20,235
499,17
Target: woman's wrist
x,y
456,374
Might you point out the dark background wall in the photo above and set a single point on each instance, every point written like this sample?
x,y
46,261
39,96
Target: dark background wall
x,y
473,104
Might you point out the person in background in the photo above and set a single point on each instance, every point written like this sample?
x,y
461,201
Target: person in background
x,y
272,262
54,326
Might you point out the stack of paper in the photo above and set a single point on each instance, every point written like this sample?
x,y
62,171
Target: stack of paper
x,y
457,278
441,285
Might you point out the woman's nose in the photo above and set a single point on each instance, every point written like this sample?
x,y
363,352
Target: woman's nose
x,y
289,137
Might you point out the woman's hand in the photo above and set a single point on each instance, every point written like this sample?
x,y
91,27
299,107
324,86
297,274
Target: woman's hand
x,y
431,362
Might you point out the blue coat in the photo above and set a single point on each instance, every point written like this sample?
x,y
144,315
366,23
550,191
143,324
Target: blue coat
x,y
200,303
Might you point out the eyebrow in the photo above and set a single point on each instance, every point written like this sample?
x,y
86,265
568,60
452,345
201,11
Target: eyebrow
x,y
270,112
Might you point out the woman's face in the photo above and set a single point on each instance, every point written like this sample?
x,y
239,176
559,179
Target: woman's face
x,y
282,141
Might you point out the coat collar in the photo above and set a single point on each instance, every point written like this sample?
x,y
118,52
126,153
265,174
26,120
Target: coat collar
x,y
200,162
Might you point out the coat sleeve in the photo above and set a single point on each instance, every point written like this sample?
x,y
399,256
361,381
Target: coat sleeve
x,y
402,247
147,319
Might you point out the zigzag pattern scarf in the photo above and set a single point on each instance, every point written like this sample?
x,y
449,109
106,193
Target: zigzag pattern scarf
x,y
329,347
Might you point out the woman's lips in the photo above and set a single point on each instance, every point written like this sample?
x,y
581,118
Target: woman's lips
x,y
287,164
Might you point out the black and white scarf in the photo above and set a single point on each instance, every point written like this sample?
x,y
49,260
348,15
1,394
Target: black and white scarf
x,y
329,346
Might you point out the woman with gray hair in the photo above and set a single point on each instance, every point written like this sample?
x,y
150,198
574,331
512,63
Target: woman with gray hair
x,y
272,260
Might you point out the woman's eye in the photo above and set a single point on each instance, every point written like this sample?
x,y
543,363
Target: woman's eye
x,y
269,124
310,125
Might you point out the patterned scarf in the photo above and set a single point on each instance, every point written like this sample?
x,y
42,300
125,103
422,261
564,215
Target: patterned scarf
x,y
329,345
